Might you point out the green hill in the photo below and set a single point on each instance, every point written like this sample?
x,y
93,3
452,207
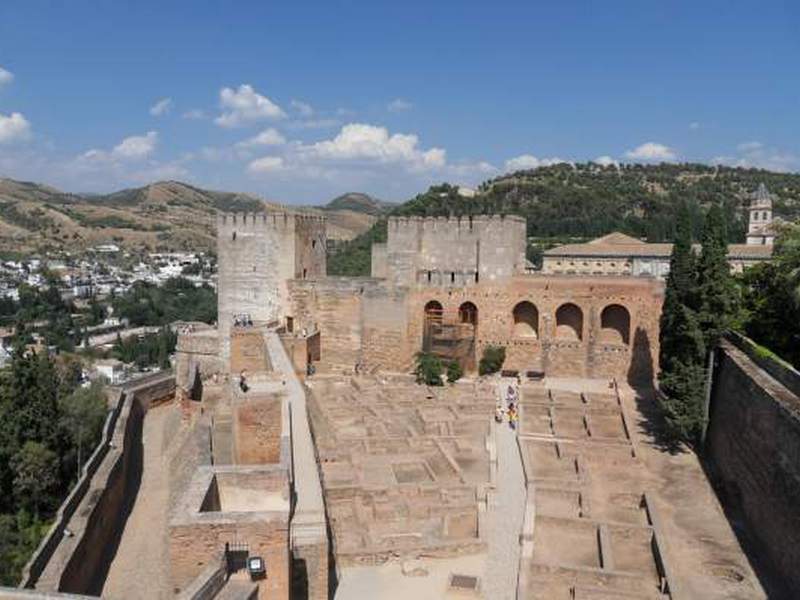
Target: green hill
x,y
358,202
587,200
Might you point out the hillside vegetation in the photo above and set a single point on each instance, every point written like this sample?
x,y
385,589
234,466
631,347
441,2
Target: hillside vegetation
x,y
167,215
587,200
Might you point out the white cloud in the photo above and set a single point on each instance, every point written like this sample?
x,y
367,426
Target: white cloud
x,y
161,107
245,105
268,137
694,125
756,155
136,147
749,146
14,128
314,124
528,161
194,114
652,151
399,105
6,77
360,141
606,161
302,108
266,164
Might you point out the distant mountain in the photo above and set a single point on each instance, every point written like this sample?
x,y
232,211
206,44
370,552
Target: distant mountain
x,y
167,215
358,202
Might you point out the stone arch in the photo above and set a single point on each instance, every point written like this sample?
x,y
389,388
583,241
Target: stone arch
x,y
526,320
468,313
569,322
615,324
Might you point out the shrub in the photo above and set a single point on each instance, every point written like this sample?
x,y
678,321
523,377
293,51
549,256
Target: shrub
x,y
492,360
428,369
454,371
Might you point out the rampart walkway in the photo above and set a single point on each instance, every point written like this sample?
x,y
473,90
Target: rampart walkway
x,y
141,566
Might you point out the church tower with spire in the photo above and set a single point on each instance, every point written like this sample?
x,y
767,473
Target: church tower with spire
x,y
759,229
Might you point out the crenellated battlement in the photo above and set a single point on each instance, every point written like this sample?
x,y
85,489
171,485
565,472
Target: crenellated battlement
x,y
453,222
271,220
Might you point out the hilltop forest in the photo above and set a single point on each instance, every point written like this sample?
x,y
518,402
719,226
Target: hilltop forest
x,y
567,202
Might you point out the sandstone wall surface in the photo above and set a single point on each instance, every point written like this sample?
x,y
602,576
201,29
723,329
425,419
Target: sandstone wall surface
x,y
753,442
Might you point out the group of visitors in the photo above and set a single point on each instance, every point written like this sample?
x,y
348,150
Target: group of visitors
x,y
243,320
510,410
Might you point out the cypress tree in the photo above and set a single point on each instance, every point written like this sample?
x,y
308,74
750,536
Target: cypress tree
x,y
717,298
682,344
680,286
683,379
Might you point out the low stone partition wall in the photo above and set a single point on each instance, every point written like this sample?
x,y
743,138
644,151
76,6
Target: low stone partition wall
x,y
753,443
77,552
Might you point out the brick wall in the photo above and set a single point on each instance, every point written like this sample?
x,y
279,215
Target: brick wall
x,y
257,431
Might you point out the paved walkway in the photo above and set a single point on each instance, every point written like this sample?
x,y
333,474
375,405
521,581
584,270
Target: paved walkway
x,y
505,515
141,566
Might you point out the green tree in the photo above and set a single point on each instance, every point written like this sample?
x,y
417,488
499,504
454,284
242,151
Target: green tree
x,y
454,371
771,298
680,286
717,298
492,360
428,369
83,413
35,469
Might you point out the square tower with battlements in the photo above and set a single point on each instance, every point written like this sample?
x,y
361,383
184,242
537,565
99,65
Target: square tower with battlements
x,y
454,251
258,254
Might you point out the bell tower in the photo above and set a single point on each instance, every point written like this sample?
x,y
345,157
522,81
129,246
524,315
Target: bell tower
x,y
759,229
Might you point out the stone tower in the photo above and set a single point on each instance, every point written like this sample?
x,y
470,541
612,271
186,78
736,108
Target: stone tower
x,y
759,230
258,254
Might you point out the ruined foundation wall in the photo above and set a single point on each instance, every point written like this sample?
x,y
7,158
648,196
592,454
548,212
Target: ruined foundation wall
x,y
193,544
753,442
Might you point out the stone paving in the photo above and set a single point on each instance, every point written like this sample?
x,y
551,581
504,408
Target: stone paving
x,y
141,566
507,509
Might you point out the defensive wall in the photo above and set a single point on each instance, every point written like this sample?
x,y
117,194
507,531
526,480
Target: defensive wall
x,y
197,351
753,443
562,325
77,552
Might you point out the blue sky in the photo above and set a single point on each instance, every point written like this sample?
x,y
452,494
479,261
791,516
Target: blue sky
x,y
300,104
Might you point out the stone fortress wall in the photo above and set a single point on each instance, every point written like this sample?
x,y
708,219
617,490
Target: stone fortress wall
x,y
753,443
96,511
561,324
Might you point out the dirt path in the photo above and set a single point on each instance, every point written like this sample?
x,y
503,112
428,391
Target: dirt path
x,y
141,566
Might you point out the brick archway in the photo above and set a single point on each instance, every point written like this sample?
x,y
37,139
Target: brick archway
x,y
615,324
569,322
526,320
